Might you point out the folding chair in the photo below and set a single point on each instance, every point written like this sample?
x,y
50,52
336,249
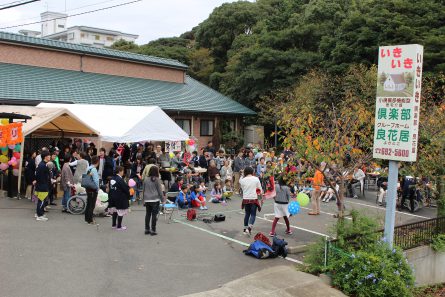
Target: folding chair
x,y
170,206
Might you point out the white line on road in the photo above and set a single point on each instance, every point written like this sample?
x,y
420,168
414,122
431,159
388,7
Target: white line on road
x,y
295,227
228,238
382,208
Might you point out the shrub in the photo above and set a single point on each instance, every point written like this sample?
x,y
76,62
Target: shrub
x,y
360,264
438,243
373,271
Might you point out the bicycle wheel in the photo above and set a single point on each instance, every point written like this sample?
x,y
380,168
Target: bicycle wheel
x,y
76,205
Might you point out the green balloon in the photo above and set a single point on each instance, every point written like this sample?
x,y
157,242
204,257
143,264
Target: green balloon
x,y
303,199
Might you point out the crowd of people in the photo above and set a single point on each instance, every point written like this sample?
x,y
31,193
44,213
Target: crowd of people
x,y
190,180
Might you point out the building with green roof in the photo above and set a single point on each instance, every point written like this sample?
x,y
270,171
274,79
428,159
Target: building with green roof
x,y
35,70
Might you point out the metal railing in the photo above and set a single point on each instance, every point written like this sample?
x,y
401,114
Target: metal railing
x,y
406,236
412,235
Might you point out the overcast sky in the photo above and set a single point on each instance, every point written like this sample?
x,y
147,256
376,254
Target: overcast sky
x,y
150,19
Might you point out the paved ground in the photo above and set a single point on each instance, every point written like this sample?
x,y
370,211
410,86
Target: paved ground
x,y
283,281
66,257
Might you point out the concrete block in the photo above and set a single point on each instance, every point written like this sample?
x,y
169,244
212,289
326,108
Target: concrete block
x,y
298,249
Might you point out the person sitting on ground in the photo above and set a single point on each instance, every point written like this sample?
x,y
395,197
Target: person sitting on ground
x,y
226,171
177,185
228,189
183,198
202,186
216,196
196,198
331,193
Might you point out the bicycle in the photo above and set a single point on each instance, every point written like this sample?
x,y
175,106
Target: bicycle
x,y
77,203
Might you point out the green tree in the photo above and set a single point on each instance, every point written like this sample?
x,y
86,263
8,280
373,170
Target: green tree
x,y
223,25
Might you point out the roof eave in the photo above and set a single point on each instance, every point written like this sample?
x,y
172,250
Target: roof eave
x,y
92,55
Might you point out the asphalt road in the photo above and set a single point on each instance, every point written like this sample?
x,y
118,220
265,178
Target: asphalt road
x,y
66,257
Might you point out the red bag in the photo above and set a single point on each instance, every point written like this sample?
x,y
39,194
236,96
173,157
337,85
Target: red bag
x,y
191,214
260,236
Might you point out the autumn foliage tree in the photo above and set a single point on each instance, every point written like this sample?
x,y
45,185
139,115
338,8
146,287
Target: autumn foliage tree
x,y
330,118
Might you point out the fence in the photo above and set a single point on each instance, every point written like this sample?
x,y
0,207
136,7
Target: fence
x,y
406,236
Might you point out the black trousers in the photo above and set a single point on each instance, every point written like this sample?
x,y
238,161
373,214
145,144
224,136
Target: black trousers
x,y
151,213
91,203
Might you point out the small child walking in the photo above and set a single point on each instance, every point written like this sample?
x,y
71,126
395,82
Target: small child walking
x,y
280,206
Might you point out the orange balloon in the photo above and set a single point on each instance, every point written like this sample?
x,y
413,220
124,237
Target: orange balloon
x,y
131,191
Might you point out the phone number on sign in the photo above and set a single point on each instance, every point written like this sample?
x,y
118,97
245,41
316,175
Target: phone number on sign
x,y
392,152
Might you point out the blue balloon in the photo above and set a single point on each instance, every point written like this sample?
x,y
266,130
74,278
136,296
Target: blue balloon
x,y
294,207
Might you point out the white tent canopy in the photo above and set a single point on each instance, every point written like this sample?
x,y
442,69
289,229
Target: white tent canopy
x,y
117,123
50,121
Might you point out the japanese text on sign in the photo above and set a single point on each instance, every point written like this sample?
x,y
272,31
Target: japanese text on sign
x,y
397,112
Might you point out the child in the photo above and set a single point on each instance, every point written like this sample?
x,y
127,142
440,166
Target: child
x,y
228,189
183,197
330,194
281,206
217,194
202,187
196,198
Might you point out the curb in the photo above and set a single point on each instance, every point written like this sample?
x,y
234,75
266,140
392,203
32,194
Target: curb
x,y
297,249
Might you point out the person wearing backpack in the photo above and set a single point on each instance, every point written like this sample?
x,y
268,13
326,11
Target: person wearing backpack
x,y
281,206
92,193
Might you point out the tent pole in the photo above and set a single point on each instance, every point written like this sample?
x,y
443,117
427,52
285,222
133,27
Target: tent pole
x,y
22,149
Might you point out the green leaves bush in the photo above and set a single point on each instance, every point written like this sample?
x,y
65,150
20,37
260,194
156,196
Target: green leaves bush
x,y
438,243
360,263
373,271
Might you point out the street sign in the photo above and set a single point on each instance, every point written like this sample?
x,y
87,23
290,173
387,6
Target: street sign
x,y
397,112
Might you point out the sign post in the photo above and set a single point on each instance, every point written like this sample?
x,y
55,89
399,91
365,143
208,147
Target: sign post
x,y
397,112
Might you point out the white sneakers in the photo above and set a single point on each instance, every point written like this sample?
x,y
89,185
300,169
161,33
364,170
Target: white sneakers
x,y
42,218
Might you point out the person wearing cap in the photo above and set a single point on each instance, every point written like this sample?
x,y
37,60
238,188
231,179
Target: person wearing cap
x,y
318,182
42,184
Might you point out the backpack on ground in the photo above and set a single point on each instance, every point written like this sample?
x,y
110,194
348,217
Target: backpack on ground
x,y
191,214
279,247
260,250
263,238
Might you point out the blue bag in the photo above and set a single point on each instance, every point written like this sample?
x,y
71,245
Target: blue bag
x,y
260,250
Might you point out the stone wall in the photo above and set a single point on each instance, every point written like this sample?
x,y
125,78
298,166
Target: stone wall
x,y
429,266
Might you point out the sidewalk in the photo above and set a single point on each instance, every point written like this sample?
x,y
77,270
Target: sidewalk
x,y
280,281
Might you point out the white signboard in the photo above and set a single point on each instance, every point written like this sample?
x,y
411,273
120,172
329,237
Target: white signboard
x,y
398,102
173,146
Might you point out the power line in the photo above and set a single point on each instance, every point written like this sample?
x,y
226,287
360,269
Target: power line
x,y
73,15
38,17
18,4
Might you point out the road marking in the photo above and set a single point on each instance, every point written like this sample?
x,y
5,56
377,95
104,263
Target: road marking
x,y
228,238
295,227
382,208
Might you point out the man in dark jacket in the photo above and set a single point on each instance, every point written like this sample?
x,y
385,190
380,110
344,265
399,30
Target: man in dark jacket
x,y
42,184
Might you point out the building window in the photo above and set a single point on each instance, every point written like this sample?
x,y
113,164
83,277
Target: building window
x,y
185,125
206,128
61,26
82,35
232,125
109,38
97,37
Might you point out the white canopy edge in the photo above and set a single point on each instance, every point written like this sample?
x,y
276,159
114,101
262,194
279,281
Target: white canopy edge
x,y
118,123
